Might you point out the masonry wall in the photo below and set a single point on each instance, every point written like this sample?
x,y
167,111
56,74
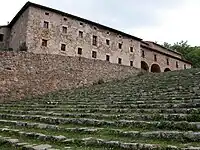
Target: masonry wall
x,y
18,33
6,34
164,50
55,38
23,74
162,61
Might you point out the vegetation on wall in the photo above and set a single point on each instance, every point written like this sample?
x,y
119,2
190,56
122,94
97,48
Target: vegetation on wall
x,y
190,53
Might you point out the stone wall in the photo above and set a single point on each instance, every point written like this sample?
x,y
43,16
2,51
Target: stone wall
x,y
162,61
18,33
6,34
71,39
23,74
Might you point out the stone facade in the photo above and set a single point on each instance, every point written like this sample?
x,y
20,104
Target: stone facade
x,y
49,31
25,74
154,55
5,33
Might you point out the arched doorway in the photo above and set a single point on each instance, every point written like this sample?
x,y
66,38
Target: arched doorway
x,y
167,70
144,66
155,68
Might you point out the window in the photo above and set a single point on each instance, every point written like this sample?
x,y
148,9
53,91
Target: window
x,y
81,23
80,51
119,61
46,13
185,67
131,49
46,24
95,28
167,61
80,34
63,47
44,43
120,45
1,37
107,58
64,29
94,40
94,54
131,63
155,57
108,42
143,54
108,32
120,36
177,64
65,19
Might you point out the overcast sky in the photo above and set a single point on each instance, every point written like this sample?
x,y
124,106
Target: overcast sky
x,y
154,20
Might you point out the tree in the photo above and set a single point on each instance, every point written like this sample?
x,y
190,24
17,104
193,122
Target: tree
x,y
188,52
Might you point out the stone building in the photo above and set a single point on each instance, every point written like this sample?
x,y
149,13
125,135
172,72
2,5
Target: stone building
x,y
48,31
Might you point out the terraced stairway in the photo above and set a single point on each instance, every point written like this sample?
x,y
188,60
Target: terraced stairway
x,y
147,112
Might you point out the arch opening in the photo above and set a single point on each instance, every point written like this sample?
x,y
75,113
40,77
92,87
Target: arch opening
x,y
155,68
144,66
167,70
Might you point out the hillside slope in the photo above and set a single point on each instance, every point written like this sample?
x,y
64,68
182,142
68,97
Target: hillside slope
x,y
155,111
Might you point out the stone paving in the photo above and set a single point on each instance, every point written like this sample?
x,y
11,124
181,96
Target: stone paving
x,y
147,112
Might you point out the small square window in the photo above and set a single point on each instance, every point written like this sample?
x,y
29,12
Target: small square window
x,y
177,64
119,61
65,19
120,45
95,28
108,32
120,36
80,34
44,42
131,49
107,58
46,24
1,37
143,54
81,23
108,42
131,63
94,40
64,29
155,57
63,47
94,54
46,13
80,51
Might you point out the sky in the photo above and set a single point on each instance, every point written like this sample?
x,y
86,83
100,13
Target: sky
x,y
152,20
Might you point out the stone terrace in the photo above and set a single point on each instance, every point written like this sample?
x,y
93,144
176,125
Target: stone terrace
x,y
146,112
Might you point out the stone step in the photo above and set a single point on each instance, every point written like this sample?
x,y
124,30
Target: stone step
x,y
25,146
91,141
167,135
150,106
174,125
113,110
127,116
52,104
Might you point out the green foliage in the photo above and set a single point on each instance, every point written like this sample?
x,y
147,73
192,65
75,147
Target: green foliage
x,y
189,53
